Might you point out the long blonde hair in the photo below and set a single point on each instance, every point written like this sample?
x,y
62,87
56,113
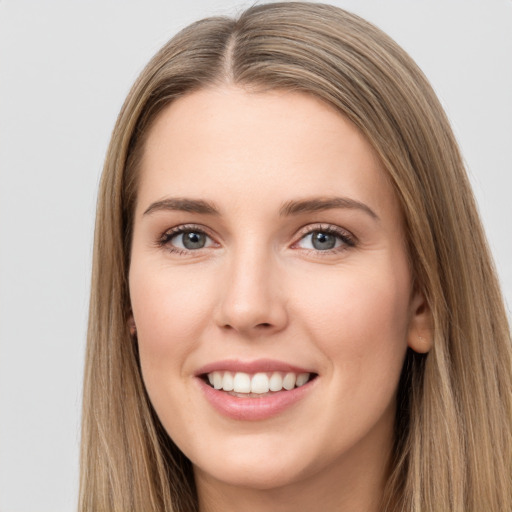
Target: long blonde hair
x,y
453,449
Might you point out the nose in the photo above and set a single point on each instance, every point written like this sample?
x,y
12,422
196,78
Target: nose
x,y
252,301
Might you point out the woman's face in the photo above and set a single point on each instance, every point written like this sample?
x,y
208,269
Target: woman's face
x,y
268,251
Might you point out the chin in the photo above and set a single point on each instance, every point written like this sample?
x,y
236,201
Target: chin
x,y
263,477
268,461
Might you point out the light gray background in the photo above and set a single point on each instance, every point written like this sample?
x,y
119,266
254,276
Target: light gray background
x,y
65,68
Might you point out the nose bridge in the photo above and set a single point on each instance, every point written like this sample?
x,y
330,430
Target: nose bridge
x,y
252,299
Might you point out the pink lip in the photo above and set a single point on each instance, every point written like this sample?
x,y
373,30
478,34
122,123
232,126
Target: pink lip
x,y
255,408
258,365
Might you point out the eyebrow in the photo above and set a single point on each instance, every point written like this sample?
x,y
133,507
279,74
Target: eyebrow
x,y
294,207
184,205
321,204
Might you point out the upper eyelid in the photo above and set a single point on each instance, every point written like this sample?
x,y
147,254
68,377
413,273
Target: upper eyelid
x,y
180,228
320,226
347,237
307,228
170,233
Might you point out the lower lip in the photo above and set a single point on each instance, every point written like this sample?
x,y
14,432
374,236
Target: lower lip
x,y
253,409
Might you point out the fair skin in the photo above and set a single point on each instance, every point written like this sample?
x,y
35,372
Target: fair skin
x,y
266,230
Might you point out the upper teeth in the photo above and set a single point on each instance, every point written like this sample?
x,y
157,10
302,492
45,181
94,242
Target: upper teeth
x,y
241,382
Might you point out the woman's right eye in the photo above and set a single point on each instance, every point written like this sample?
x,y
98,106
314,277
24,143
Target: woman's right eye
x,y
186,240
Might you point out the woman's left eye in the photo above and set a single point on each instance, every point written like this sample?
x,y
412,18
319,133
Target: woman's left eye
x,y
325,240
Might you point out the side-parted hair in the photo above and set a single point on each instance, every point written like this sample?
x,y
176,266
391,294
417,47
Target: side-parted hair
x,y
453,435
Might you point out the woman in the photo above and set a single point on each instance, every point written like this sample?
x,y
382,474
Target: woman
x,y
293,303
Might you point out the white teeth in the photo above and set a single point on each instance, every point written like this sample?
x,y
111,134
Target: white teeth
x,y
258,383
289,381
242,383
302,378
276,382
227,381
217,380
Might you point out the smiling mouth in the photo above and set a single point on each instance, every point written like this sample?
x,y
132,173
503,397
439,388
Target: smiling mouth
x,y
255,385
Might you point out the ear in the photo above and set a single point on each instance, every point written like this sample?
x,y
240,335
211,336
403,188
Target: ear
x,y
132,326
420,333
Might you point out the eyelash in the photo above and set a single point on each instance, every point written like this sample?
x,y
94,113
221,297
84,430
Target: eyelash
x,y
167,236
347,239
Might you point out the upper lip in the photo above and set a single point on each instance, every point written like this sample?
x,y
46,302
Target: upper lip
x,y
255,366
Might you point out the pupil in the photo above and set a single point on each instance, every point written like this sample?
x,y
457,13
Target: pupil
x,y
323,241
192,240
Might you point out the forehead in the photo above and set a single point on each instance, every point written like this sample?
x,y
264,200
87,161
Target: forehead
x,y
278,144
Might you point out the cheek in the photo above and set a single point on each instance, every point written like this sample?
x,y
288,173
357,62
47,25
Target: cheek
x,y
359,317
170,309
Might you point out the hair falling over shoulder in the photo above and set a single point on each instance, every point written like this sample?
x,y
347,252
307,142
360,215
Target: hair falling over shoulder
x,y
453,446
